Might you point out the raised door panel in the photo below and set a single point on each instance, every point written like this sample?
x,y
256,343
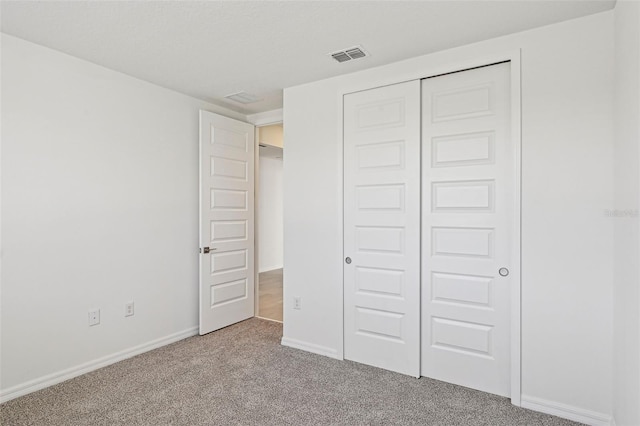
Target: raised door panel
x,y
382,227
467,190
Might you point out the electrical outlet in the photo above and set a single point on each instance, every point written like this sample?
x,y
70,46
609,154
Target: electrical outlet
x,y
128,309
94,317
297,303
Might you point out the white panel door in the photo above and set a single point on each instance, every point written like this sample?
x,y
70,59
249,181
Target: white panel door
x,y
226,221
382,227
467,225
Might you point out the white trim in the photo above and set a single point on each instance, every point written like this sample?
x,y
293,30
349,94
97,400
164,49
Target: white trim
x,y
340,203
514,57
265,118
516,243
78,370
256,221
567,411
310,347
269,319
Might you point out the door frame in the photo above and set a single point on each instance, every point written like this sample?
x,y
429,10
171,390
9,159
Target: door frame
x,y
514,57
258,122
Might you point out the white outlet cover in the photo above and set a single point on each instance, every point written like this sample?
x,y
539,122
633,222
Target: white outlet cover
x,y
94,317
129,309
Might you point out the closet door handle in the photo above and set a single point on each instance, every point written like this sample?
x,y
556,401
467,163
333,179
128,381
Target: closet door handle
x,y
347,260
503,272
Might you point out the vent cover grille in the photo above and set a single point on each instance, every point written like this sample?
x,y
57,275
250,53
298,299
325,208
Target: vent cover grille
x,y
243,97
356,53
345,55
341,56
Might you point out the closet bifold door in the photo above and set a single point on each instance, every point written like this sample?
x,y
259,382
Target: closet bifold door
x,y
468,187
382,227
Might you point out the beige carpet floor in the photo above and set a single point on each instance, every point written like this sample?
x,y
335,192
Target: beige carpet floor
x,y
241,375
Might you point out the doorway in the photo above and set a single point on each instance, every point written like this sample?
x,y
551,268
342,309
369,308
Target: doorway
x,y
269,212
241,221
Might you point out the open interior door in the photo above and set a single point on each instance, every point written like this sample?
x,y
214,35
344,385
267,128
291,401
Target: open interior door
x,y
226,221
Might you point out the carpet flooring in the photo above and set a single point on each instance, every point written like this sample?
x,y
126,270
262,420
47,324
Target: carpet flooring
x,y
241,375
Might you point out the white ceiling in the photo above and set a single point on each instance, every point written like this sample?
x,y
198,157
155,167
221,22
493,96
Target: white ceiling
x,y
209,49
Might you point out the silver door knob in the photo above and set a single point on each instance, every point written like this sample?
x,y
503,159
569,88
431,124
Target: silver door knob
x,y
348,260
503,272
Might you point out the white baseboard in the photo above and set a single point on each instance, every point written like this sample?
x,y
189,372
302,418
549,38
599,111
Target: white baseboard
x,y
269,319
565,411
70,373
310,347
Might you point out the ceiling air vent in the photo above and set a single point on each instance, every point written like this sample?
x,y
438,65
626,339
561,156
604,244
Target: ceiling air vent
x,y
345,55
341,56
243,97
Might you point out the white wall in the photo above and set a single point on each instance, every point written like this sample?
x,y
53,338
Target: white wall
x,y
626,379
270,215
567,263
99,207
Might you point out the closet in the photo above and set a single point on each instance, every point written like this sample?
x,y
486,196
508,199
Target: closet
x,y
430,201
